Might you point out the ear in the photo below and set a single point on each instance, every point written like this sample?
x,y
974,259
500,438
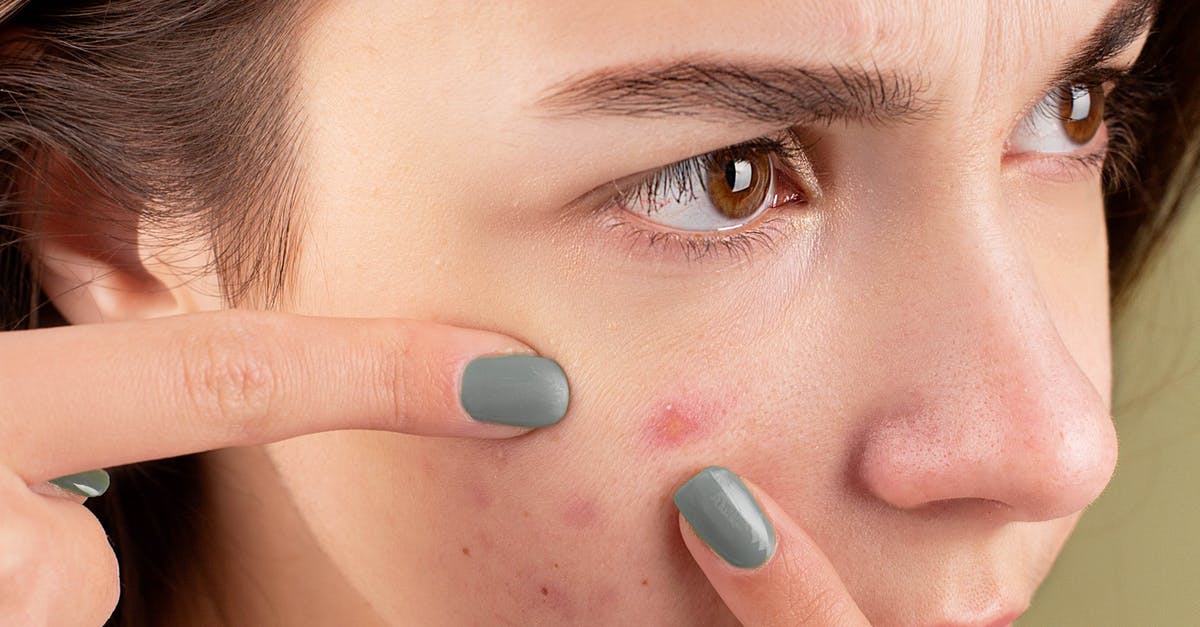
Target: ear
x,y
98,261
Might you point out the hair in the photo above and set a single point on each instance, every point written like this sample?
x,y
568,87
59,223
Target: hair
x,y
178,114
184,114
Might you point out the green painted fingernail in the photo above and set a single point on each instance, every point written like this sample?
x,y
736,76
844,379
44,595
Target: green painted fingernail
x,y
724,513
91,483
518,390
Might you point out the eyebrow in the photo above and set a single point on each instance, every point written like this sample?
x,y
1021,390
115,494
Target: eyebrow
x,y
787,95
1125,22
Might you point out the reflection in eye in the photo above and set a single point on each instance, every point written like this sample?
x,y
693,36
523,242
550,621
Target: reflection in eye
x,y
1067,119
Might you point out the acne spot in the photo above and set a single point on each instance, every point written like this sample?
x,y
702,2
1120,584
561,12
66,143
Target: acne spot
x,y
676,423
580,513
545,591
481,498
645,582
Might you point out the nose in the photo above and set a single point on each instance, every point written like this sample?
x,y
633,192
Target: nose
x,y
988,401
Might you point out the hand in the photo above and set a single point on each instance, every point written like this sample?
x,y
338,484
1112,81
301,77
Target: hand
x,y
766,569
86,397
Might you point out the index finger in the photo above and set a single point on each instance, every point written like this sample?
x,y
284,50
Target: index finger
x,y
766,569
83,397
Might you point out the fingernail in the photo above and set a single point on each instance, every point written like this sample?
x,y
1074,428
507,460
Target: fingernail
x,y
90,483
727,517
518,390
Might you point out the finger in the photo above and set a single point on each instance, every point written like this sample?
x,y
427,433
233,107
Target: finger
x,y
56,566
84,397
768,574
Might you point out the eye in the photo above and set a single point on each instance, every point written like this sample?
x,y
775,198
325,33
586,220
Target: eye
x,y
1067,119
722,190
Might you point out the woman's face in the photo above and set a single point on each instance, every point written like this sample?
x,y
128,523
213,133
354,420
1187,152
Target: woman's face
x,y
894,318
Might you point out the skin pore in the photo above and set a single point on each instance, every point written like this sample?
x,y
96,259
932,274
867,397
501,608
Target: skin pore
x,y
916,367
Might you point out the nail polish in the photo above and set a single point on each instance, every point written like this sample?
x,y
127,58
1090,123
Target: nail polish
x,y
517,390
91,483
723,513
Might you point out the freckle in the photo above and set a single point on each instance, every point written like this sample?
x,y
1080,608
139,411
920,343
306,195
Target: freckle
x,y
580,513
645,582
467,551
556,564
545,591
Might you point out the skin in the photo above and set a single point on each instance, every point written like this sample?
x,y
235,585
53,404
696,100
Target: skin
x,y
918,374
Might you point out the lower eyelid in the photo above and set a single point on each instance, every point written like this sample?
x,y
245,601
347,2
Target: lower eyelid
x,y
1065,167
672,246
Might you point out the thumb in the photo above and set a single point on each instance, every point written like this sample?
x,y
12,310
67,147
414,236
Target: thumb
x,y
766,569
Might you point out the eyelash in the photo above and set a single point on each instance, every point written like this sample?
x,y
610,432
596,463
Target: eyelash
x,y
789,151
1127,92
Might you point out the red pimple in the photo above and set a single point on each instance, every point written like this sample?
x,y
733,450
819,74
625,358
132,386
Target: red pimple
x,y
677,423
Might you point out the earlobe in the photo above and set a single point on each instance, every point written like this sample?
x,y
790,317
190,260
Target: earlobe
x,y
95,260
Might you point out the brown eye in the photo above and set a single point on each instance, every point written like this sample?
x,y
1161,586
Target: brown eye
x,y
1081,108
738,184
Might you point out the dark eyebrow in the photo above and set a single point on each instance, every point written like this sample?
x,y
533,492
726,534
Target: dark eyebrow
x,y
785,95
774,94
1124,23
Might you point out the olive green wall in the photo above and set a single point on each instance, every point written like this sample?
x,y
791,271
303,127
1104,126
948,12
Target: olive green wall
x,y
1135,557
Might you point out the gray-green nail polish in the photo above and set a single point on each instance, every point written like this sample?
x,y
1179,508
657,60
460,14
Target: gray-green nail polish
x,y
727,517
90,483
518,390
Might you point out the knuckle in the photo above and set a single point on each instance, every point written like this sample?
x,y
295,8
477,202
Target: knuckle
x,y
230,378
391,375
21,550
25,573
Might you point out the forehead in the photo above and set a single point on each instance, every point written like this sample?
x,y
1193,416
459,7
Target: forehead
x,y
916,35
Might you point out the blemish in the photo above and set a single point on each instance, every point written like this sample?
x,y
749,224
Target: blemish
x,y
676,423
645,582
545,591
467,551
480,497
580,513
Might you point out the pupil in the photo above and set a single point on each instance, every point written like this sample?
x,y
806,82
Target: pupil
x,y
737,175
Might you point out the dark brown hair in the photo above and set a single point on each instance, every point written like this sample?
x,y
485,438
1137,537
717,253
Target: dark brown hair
x,y
184,113
176,112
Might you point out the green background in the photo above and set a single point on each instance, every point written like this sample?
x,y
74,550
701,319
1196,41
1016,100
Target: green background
x,y
1135,557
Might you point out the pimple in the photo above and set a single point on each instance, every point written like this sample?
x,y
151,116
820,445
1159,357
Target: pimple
x,y
676,423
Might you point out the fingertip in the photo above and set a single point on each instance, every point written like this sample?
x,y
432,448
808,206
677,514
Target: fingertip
x,y
722,512
524,391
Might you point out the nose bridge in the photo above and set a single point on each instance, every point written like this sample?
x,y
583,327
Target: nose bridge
x,y
990,403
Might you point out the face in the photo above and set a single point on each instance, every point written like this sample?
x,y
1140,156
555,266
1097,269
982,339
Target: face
x,y
883,299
